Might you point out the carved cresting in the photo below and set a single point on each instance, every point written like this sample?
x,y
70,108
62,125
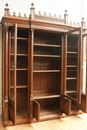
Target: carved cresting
x,y
44,17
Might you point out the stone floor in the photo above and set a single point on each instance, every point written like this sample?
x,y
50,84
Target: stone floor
x,y
78,122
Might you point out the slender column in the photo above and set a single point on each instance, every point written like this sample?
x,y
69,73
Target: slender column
x,y
31,75
5,77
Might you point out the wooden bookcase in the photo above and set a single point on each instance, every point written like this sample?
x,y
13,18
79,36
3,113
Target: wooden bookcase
x,y
42,68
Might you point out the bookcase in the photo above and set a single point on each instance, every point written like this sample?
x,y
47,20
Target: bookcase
x,y
47,73
42,68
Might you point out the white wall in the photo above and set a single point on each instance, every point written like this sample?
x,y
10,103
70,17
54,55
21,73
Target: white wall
x,y
76,9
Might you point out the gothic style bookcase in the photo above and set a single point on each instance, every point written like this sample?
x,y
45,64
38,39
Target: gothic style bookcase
x,y
42,67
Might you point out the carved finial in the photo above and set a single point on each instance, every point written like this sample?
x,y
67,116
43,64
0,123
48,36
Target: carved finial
x,y
14,14
25,15
32,5
50,15
19,15
82,19
32,13
66,11
66,16
59,16
78,23
74,23
55,16
6,10
39,13
83,22
6,5
70,22
45,14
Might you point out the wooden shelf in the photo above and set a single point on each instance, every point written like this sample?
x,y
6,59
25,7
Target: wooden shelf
x,y
19,69
69,91
21,113
22,55
50,113
70,52
46,45
19,54
20,38
71,65
46,71
19,86
71,78
47,55
41,95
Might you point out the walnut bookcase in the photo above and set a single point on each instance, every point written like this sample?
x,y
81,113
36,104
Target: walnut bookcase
x,y
42,68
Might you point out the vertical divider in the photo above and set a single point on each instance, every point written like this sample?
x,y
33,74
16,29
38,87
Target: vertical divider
x,y
80,65
31,75
15,63
62,63
65,63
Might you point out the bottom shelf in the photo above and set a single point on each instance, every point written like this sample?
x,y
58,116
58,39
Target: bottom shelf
x,y
75,109
50,113
46,109
22,113
22,117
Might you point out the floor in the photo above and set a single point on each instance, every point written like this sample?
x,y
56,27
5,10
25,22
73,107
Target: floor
x,y
69,123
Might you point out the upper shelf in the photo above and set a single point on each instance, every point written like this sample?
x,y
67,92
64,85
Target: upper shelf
x,y
56,56
47,45
20,38
42,95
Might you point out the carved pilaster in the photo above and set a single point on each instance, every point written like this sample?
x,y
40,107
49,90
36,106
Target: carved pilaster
x,y
5,78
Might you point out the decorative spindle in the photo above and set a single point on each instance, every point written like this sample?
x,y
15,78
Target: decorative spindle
x,y
39,13
50,15
78,23
19,15
14,14
25,15
71,22
55,16
59,16
74,23
45,14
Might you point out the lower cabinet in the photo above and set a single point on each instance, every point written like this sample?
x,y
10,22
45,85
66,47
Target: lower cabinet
x,y
45,109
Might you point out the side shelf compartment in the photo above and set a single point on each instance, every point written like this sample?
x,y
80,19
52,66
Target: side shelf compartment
x,y
69,107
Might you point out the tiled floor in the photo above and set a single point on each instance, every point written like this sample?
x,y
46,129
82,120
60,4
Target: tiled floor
x,y
69,123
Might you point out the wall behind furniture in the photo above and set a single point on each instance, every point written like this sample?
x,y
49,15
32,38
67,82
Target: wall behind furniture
x,y
58,7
